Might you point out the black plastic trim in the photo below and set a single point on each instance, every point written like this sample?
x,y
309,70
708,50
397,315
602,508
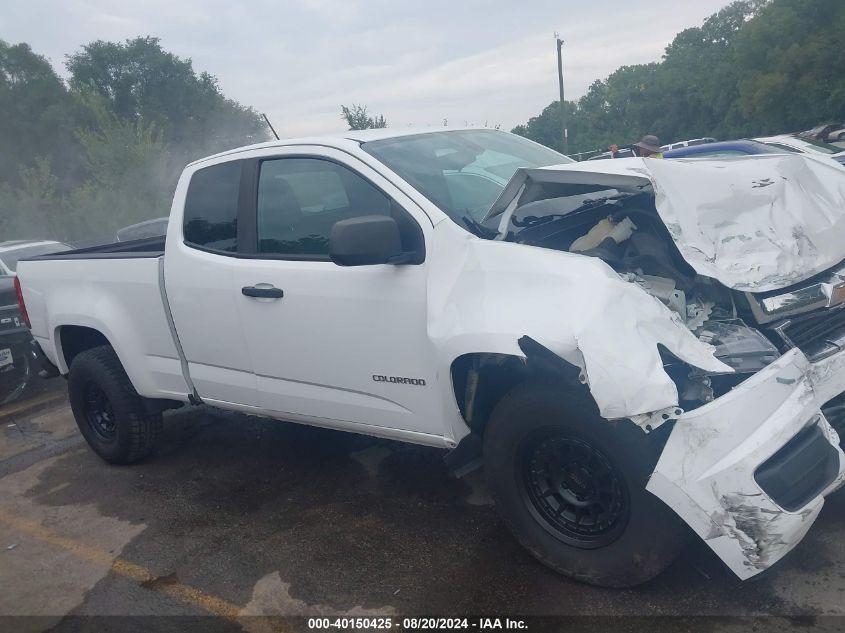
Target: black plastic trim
x,y
77,256
215,251
48,369
466,456
145,248
800,470
262,293
248,207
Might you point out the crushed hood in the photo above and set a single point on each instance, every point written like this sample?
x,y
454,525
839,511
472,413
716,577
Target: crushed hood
x,y
755,223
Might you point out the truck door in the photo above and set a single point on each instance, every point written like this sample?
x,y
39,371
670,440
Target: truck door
x,y
203,238
339,346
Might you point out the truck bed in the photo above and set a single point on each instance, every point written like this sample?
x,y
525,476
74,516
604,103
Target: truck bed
x,y
121,299
143,248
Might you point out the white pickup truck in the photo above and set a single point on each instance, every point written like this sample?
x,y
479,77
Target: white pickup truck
x,y
627,345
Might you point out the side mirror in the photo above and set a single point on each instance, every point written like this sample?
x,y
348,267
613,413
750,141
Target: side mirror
x,y
366,240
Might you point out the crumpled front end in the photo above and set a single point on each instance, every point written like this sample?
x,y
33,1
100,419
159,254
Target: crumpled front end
x,y
749,471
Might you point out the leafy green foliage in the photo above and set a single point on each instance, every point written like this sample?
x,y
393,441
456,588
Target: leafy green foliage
x,y
84,158
755,67
357,118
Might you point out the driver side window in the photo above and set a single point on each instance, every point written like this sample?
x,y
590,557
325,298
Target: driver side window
x,y
300,199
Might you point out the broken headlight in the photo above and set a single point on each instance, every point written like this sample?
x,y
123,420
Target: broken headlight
x,y
743,348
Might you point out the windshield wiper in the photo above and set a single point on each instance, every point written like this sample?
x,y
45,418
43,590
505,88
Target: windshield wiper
x,y
477,229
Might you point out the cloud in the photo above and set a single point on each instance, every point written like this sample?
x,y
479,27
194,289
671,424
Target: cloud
x,y
417,63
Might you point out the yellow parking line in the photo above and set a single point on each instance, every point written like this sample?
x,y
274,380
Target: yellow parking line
x,y
185,593
31,404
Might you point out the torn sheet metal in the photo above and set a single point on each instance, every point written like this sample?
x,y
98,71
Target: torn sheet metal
x,y
755,223
706,470
487,295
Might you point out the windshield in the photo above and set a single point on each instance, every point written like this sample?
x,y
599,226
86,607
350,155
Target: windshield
x,y
817,146
461,171
785,148
10,258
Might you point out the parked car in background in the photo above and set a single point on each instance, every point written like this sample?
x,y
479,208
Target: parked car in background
x,y
142,230
16,368
690,143
795,143
723,149
624,152
836,136
821,132
13,250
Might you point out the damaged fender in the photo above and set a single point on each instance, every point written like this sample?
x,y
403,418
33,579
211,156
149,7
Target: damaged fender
x,y
487,295
709,470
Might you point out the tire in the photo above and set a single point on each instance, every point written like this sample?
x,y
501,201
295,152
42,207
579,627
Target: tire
x,y
542,435
109,412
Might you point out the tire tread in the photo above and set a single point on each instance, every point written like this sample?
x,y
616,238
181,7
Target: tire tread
x,y
142,428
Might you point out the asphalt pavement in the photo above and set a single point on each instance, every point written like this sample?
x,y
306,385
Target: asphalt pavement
x,y
237,516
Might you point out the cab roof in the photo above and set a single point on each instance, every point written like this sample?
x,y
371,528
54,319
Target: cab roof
x,y
346,139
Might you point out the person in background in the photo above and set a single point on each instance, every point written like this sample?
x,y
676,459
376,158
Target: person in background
x,y
648,147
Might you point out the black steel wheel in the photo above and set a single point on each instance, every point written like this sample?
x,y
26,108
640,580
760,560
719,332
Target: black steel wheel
x,y
571,486
99,413
573,489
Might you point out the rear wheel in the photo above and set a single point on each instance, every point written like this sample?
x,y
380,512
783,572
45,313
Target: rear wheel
x,y
108,411
571,486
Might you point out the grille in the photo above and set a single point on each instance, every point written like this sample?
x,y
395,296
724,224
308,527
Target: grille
x,y
818,334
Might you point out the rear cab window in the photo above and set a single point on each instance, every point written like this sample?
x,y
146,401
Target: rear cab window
x,y
211,208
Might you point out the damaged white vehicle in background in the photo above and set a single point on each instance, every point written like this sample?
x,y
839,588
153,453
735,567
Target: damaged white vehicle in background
x,y
614,339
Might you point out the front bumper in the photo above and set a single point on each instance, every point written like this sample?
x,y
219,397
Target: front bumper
x,y
717,456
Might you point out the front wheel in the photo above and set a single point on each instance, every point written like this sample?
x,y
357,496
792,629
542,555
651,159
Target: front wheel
x,y
571,487
109,412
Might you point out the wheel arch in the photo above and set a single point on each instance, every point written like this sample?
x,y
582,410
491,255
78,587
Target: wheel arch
x,y
481,379
72,340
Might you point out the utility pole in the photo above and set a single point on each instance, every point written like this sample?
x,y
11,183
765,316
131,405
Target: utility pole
x,y
563,134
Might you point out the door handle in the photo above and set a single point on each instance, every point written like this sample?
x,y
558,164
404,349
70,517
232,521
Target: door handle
x,y
262,293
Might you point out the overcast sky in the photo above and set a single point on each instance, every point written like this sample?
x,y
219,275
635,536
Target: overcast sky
x,y
469,61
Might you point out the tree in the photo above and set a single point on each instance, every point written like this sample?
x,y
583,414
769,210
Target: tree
x,y
796,50
755,67
133,174
37,115
142,82
358,119
103,150
30,208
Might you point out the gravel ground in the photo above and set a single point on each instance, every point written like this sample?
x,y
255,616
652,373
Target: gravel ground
x,y
237,516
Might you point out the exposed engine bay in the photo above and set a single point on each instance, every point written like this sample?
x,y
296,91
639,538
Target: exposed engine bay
x,y
625,231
